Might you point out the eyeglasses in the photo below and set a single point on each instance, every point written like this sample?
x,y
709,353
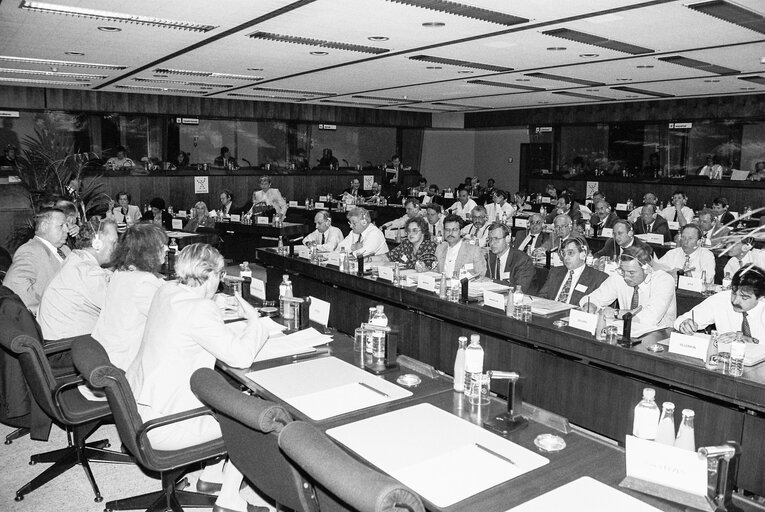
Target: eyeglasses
x,y
414,230
222,275
452,230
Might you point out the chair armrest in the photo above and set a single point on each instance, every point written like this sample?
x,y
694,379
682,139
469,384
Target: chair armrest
x,y
143,431
55,346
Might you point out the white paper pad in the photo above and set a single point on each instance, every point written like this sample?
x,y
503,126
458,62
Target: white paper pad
x,y
584,495
443,462
326,387
476,288
540,306
301,342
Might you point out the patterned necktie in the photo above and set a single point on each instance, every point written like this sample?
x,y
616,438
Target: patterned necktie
x,y
687,265
496,269
563,297
745,329
635,298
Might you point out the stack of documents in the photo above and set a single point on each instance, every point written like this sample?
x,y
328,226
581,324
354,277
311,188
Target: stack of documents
x,y
300,342
546,307
476,288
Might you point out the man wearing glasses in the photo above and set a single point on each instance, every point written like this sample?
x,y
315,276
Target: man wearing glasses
x,y
365,239
647,293
624,238
478,229
412,207
507,264
562,229
532,238
454,256
574,279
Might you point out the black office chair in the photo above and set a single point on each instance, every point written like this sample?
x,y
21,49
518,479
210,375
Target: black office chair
x,y
92,361
341,482
250,429
60,399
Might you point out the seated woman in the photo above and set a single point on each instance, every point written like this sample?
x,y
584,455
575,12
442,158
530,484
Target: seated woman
x,y
157,214
201,218
184,332
418,251
123,213
137,261
121,161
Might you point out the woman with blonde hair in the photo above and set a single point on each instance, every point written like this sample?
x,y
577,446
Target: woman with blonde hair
x,y
200,219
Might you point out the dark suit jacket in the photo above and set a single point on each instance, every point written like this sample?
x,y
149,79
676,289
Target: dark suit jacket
x,y
519,265
611,249
574,213
609,223
167,219
590,278
660,227
544,240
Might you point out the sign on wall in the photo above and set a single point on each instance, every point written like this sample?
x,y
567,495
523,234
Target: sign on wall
x,y
201,185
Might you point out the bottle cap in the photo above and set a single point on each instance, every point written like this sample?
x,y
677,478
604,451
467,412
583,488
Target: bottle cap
x,y
688,413
380,308
668,405
462,338
649,393
474,338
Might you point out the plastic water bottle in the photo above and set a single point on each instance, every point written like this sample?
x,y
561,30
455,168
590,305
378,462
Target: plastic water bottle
x,y
737,352
646,421
517,301
443,291
686,437
285,291
379,317
473,366
341,260
726,282
396,274
280,246
173,246
459,366
666,431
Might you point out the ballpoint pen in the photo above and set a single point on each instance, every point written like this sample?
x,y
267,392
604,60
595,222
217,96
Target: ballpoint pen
x,y
498,455
372,388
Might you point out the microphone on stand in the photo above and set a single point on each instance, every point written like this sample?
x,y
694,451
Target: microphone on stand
x,y
346,162
248,162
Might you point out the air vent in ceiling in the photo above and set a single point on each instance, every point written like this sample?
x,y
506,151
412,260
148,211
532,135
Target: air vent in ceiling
x,y
508,86
582,95
260,96
455,105
560,78
292,91
698,64
642,91
179,82
184,72
732,13
158,89
602,42
459,63
320,43
67,63
380,98
43,82
466,11
57,74
356,103
759,80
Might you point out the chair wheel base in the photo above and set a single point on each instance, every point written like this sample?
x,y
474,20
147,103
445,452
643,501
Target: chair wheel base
x,y
98,499
8,441
18,497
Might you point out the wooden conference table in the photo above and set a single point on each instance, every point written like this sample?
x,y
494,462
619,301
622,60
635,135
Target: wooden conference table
x,y
593,384
583,456
240,240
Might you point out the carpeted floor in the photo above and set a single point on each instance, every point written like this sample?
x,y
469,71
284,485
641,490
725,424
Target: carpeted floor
x,y
71,491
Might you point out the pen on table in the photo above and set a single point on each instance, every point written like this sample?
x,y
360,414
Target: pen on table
x,y
309,355
372,388
498,455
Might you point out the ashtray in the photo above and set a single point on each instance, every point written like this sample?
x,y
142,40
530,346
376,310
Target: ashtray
x,y
409,380
560,323
549,442
269,311
655,348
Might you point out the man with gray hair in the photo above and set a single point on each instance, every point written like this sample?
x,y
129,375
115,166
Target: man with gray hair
x,y
326,236
365,239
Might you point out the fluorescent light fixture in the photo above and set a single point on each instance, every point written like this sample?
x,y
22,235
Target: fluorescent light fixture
x,y
49,62
51,73
185,72
95,14
43,82
180,82
157,89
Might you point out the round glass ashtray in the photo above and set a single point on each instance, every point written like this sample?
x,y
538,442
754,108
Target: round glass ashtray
x,y
549,442
409,380
560,323
655,348
269,311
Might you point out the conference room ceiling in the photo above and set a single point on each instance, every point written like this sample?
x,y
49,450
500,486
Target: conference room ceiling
x,y
417,55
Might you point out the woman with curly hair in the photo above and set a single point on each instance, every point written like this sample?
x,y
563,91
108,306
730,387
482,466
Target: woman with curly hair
x,y
417,251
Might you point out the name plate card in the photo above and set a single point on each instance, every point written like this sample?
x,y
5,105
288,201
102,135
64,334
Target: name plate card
x,y
692,284
182,213
679,469
177,224
258,289
236,218
674,225
292,203
494,300
262,220
323,198
652,238
448,195
607,233
521,223
583,321
546,200
426,282
691,346
302,251
385,273
621,206
319,204
333,258
318,311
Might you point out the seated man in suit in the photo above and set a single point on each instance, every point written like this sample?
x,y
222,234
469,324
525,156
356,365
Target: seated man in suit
x,y
326,236
721,213
647,293
624,237
565,205
603,218
365,238
574,280
37,261
352,193
648,198
712,232
432,195
478,229
375,195
412,208
528,240
563,228
650,222
455,256
507,264
690,256
435,220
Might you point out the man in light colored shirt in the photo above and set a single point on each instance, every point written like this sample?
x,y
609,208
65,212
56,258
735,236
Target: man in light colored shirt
x,y
365,239
712,232
269,196
455,256
464,205
435,220
574,279
562,229
412,207
74,297
678,211
713,169
37,261
499,210
740,309
478,229
325,237
649,294
648,198
690,257
742,253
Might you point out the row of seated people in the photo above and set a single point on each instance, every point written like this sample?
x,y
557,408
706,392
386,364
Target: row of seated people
x,y
158,331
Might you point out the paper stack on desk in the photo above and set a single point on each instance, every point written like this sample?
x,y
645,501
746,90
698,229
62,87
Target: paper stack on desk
x,y
476,288
545,307
300,342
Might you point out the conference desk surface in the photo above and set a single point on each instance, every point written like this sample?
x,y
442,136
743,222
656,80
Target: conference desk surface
x,y
569,372
584,455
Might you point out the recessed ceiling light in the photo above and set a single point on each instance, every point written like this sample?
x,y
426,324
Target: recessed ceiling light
x,y
319,53
746,88
632,96
588,55
543,102
433,24
73,53
711,81
433,67
592,90
160,76
556,48
644,66
523,80
378,38
254,69
110,29
464,72
623,79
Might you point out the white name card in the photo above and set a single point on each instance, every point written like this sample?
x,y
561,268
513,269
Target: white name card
x,y
665,465
448,195
494,300
583,321
621,206
692,284
182,213
333,258
385,273
247,272
302,251
177,224
319,205
318,311
258,289
323,198
651,238
236,218
673,225
521,223
292,203
262,220
426,282
546,200
691,346
607,233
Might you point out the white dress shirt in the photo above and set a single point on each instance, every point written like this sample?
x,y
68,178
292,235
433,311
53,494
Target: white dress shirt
x,y
574,281
372,239
718,310
437,229
657,297
132,216
669,213
401,221
462,211
702,260
273,198
332,237
756,256
451,258
481,234
525,247
494,211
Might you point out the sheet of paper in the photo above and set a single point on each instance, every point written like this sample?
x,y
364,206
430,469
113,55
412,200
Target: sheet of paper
x,y
477,287
691,346
637,329
177,223
319,311
444,463
680,469
290,345
540,306
258,288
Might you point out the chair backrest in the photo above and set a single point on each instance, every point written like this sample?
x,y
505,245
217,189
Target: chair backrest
x,y
342,482
20,335
250,429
